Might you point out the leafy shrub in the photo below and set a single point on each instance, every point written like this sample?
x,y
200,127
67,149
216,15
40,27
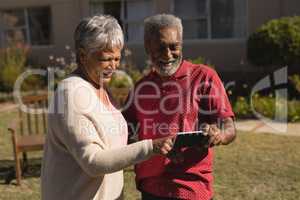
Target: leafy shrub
x,y
128,65
120,81
134,73
123,80
13,61
201,60
12,64
276,43
295,79
127,74
294,111
242,108
266,106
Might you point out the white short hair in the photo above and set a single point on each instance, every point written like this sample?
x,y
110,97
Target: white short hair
x,y
99,32
154,23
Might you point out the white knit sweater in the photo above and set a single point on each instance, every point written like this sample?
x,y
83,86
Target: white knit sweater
x,y
85,148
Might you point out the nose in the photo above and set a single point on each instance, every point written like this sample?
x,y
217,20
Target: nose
x,y
114,64
167,54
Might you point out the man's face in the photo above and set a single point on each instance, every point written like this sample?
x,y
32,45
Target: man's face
x,y
165,51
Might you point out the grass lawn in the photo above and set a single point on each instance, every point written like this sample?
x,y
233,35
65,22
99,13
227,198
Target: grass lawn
x,y
254,167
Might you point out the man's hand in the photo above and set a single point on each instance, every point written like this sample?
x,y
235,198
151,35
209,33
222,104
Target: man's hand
x,y
163,145
218,136
214,134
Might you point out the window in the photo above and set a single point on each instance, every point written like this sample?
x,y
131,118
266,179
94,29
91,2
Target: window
x,y
194,15
228,18
136,12
130,14
29,25
214,19
111,8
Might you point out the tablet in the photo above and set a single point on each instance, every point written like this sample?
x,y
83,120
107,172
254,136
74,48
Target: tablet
x,y
190,139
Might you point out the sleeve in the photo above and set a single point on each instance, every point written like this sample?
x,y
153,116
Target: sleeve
x,y
216,103
80,138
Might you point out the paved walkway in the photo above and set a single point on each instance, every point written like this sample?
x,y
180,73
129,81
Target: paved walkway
x,y
258,126
5,107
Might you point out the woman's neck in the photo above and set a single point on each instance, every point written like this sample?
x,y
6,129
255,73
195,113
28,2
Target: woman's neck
x,y
103,96
83,74
100,90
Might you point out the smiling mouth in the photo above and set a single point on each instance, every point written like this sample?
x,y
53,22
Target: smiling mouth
x,y
167,63
108,73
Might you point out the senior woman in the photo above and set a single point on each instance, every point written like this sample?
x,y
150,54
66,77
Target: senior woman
x,y
86,145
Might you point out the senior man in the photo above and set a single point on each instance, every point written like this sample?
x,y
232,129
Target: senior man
x,y
177,96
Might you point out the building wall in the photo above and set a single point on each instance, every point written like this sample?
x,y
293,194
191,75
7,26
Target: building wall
x,y
65,14
230,54
227,55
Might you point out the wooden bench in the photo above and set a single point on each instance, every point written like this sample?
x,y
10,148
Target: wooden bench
x,y
28,131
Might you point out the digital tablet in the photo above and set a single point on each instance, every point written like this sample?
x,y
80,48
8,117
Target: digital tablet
x,y
190,139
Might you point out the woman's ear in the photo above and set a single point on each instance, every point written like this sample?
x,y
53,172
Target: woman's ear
x,y
147,48
82,56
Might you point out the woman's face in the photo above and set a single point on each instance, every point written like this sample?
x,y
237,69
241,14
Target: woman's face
x,y
100,65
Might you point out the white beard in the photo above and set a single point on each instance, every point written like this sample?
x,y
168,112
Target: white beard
x,y
168,70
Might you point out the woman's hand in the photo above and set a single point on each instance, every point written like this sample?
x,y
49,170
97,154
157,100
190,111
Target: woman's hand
x,y
163,145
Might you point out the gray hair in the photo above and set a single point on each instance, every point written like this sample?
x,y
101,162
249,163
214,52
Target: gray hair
x,y
154,23
99,32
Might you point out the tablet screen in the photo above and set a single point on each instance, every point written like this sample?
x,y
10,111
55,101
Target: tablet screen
x,y
189,139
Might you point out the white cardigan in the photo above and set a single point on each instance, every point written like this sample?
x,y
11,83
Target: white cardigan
x,y
86,146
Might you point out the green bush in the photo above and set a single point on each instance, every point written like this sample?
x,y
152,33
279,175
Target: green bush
x,y
295,79
276,43
201,60
294,111
134,73
12,63
120,81
242,108
266,106
124,79
119,87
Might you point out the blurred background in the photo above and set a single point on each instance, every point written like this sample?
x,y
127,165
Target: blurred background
x,y
245,41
